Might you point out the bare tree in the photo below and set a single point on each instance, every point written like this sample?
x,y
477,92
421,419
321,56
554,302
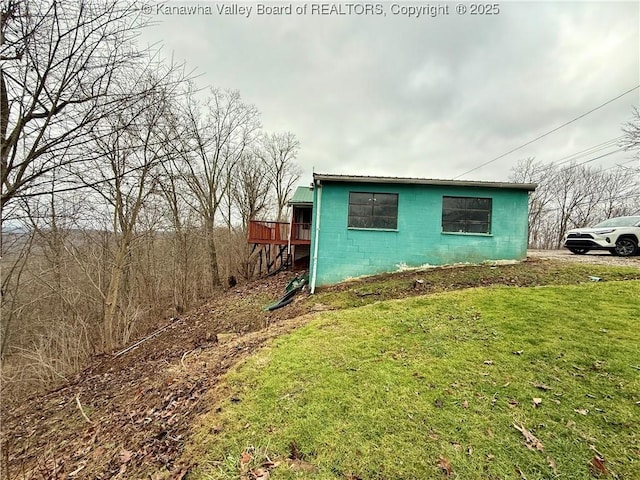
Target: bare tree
x,y
219,133
631,134
131,148
60,63
540,200
278,152
181,217
250,188
574,196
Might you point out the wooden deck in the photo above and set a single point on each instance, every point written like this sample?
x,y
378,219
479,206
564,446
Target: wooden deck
x,y
277,233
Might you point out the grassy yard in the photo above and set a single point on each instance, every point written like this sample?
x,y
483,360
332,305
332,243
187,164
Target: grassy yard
x,y
487,383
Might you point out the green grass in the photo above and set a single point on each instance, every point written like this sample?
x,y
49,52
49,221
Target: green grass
x,y
388,390
525,274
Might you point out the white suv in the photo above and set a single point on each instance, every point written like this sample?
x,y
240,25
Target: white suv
x,y
619,235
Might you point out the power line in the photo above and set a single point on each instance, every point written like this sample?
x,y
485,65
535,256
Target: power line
x,y
621,164
596,158
548,133
588,151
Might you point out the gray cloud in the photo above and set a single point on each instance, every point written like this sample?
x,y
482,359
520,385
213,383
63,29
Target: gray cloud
x,y
427,97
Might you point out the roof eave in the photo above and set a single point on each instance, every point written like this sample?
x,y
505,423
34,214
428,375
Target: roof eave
x,y
321,177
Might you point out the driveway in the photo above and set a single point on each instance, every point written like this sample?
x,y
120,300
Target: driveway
x,y
599,257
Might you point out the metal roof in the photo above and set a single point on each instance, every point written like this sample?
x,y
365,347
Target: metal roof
x,y
302,195
322,177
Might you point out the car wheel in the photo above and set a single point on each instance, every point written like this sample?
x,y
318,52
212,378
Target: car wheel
x,y
579,251
625,247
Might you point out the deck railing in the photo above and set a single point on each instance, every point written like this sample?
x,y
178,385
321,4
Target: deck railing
x,y
277,233
301,233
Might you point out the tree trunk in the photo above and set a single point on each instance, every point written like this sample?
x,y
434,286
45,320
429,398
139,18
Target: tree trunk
x,y
113,299
213,255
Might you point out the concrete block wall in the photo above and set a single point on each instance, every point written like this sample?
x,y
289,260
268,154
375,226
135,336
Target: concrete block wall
x,y
345,252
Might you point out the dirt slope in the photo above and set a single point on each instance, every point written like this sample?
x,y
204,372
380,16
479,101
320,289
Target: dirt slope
x,y
129,417
139,406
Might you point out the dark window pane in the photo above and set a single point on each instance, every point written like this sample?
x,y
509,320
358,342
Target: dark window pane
x,y
385,222
360,198
478,227
478,215
359,222
480,203
453,227
448,203
466,214
453,215
373,210
385,211
360,210
386,199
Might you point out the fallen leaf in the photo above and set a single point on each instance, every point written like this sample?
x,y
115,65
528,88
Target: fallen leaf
x,y
552,464
581,411
542,386
456,446
294,451
269,464
531,442
261,474
593,447
470,451
78,470
536,402
97,453
438,403
513,403
490,457
245,458
298,465
125,456
597,466
445,466
465,404
488,362
518,352
180,474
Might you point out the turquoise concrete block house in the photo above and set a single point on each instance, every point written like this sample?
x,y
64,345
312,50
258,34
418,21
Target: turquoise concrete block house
x,y
367,225
346,226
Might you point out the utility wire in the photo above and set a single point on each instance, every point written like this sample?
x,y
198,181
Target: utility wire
x,y
595,158
582,153
621,164
588,151
548,133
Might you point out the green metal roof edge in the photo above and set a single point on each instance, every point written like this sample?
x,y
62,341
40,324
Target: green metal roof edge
x,y
322,177
302,195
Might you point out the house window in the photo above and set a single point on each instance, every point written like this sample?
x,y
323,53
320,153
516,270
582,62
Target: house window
x,y
373,210
466,214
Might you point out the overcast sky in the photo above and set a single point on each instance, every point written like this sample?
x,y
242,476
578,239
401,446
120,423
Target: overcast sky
x,y
433,96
